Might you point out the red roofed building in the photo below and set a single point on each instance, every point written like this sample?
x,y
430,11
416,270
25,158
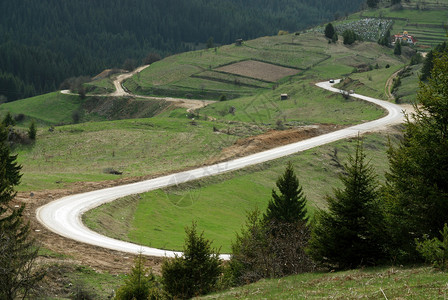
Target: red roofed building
x,y
405,38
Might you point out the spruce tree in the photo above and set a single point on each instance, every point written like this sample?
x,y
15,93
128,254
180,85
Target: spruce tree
x,y
348,234
416,193
196,271
17,251
290,205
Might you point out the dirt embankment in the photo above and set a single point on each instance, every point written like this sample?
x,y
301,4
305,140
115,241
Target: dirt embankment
x,y
272,139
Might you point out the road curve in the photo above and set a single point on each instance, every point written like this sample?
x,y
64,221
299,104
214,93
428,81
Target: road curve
x,y
63,216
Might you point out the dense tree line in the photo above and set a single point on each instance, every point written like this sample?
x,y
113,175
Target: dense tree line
x,y
44,42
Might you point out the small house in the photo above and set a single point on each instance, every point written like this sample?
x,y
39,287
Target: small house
x,y
405,38
239,42
284,97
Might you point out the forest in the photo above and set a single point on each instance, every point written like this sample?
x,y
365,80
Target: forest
x,y
44,42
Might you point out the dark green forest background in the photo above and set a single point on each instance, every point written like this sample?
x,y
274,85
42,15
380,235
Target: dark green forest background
x,y
44,42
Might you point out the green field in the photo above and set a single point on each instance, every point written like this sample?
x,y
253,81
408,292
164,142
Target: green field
x,y
53,108
194,75
219,204
164,143
396,282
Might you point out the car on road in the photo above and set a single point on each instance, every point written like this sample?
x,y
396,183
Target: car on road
x,y
331,80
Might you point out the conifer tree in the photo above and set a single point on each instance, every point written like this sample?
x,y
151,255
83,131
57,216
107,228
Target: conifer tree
x,y
329,31
8,120
416,193
348,234
32,131
196,271
290,205
17,250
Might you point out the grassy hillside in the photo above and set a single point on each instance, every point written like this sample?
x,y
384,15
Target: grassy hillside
x,y
201,75
367,64
53,108
371,283
219,204
152,146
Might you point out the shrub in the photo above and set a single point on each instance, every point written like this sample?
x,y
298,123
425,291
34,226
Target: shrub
x,y
139,284
268,249
435,251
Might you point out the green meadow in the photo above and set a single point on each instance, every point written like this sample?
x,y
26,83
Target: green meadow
x,y
219,204
396,282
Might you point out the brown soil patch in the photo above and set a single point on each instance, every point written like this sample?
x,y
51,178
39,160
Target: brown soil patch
x,y
272,139
258,70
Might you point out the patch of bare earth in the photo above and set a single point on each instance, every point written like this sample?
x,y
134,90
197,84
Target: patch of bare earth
x,y
272,139
258,70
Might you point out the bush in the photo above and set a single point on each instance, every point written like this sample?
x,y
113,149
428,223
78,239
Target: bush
x,y
196,271
151,58
268,249
139,285
435,251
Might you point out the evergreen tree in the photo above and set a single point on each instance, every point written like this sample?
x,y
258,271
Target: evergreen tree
x,y
372,3
384,40
349,37
335,38
329,31
32,131
349,233
138,284
8,120
428,63
397,48
18,276
290,205
196,271
416,194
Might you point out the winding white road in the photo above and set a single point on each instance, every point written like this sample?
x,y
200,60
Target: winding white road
x,y
63,216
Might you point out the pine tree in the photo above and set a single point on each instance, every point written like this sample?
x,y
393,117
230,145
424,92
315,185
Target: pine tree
x,y
349,233
290,205
416,193
17,250
196,271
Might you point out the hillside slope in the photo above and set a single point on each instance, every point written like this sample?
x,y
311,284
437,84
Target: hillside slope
x,y
44,42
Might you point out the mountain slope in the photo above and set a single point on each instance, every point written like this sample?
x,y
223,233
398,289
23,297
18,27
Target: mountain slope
x,y
44,42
